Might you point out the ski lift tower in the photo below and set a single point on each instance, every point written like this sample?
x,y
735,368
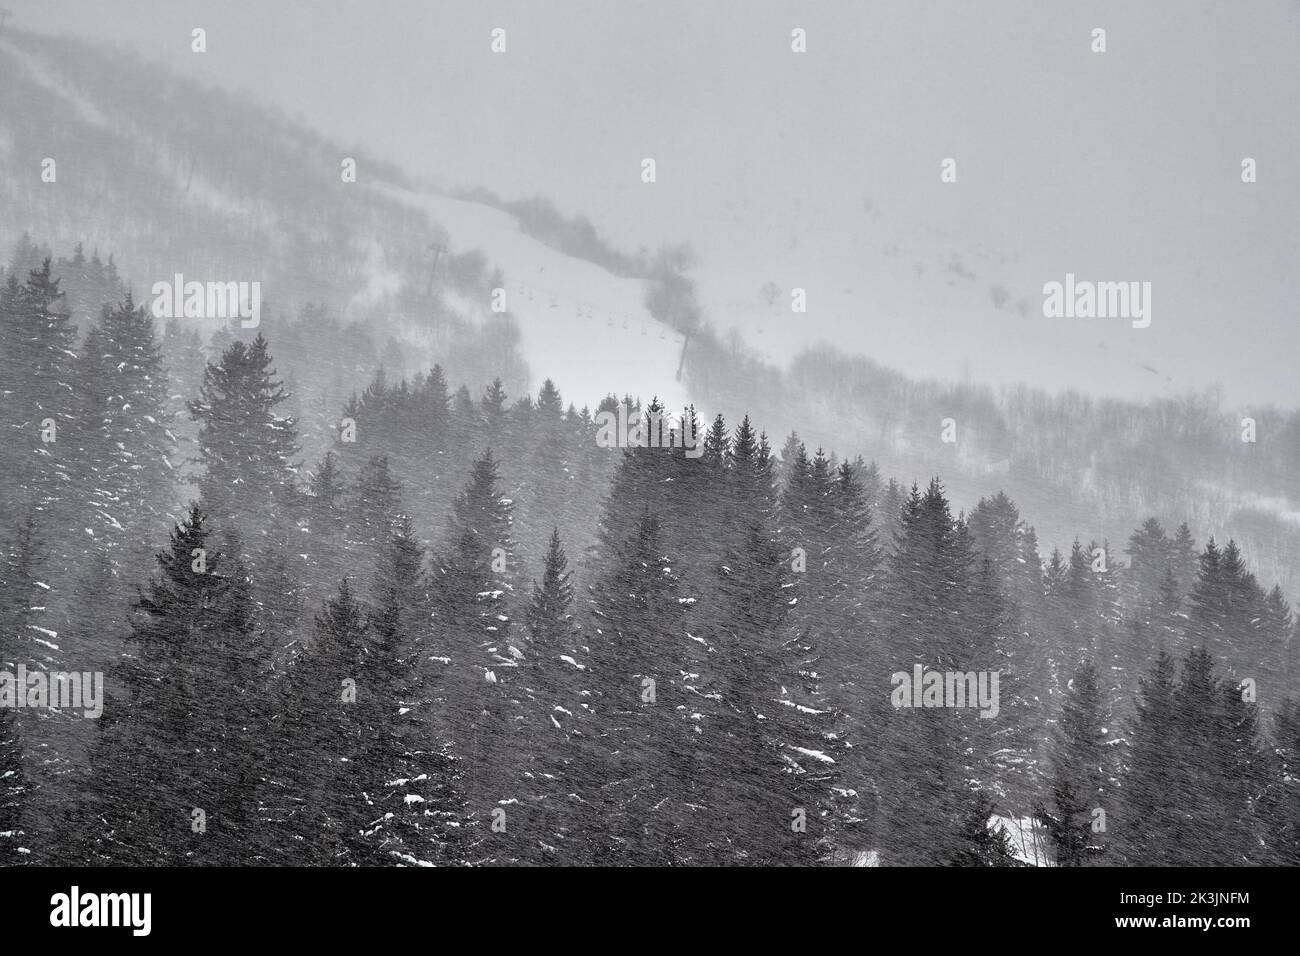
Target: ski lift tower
x,y
438,249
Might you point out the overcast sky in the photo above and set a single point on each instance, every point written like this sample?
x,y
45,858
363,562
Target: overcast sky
x,y
1119,166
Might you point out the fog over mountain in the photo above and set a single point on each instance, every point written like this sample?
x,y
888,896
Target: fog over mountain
x,y
648,434
822,170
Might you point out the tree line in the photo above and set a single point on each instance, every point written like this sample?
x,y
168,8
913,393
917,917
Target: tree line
x,y
467,634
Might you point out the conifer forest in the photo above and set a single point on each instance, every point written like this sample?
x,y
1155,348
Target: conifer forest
x,y
364,503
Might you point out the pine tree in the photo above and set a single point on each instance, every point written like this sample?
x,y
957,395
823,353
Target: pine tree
x,y
494,410
372,511
14,848
770,807
436,402
549,618
326,489
717,444
556,717
41,343
128,422
1055,574
982,842
750,472
840,602
790,451
999,533
40,457
1270,656
1077,773
1227,614
1149,821
1280,802
928,581
1003,750
477,576
1150,554
249,484
798,490
545,473
1219,770
174,770
341,713
246,448
472,588
415,786
891,514
18,581
1193,771
1183,559
16,586
636,781
925,804
1078,602
641,475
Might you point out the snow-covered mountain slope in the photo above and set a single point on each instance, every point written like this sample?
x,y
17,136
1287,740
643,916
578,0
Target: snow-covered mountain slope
x,y
169,176
585,329
281,214
929,302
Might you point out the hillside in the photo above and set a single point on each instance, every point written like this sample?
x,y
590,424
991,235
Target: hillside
x,y
224,189
367,582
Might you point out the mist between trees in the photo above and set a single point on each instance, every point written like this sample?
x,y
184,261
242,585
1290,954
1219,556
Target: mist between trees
x,y
467,632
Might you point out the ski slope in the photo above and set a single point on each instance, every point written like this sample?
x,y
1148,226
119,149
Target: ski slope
x,y
582,327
